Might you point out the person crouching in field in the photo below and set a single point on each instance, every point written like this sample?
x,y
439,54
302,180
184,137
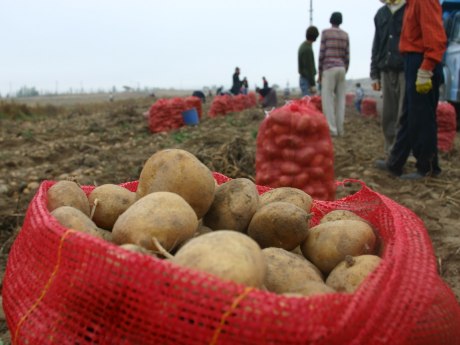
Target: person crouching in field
x,y
270,99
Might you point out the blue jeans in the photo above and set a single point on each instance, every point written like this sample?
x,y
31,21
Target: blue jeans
x,y
304,86
418,129
358,105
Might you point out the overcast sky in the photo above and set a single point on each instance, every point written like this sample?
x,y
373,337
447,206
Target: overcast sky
x,y
97,44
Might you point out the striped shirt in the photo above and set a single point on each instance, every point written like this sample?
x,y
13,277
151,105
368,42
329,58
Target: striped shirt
x,y
423,32
334,50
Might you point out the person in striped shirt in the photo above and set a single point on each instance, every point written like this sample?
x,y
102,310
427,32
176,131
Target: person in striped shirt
x,y
334,59
423,43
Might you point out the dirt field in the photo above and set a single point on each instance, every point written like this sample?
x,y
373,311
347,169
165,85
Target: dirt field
x,y
99,142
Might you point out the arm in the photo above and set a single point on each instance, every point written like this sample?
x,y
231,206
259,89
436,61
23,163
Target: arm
x,y
322,51
434,36
347,54
311,71
375,72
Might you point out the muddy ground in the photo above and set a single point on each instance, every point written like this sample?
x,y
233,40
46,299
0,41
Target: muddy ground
x,y
99,142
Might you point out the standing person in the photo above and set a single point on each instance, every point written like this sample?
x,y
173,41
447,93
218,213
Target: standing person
x,y
244,86
236,86
334,59
359,96
387,66
265,83
306,62
423,43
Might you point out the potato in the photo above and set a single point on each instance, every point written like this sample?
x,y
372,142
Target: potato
x,y
288,272
288,194
108,202
67,193
227,254
202,229
180,172
163,215
340,215
310,288
135,248
234,204
105,234
73,218
328,243
348,275
279,224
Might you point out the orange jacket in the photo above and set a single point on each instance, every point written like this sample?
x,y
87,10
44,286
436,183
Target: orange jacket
x,y
423,32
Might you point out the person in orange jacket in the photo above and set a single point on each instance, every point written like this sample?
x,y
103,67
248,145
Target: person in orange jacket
x,y
422,43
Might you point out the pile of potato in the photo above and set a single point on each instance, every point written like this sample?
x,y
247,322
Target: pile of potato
x,y
230,231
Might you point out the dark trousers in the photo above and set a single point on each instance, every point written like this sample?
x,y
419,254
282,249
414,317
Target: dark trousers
x,y
418,129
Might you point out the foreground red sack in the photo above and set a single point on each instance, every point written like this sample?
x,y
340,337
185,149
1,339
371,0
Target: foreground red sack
x,y
294,149
317,102
446,119
66,287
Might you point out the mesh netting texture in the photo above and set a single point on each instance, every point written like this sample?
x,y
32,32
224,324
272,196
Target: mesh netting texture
x,y
66,287
446,120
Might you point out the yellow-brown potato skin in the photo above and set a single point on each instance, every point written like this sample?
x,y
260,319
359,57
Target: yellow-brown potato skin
x,y
72,218
294,196
112,200
234,204
279,224
328,243
288,272
340,215
180,172
347,276
227,254
67,193
163,215
310,288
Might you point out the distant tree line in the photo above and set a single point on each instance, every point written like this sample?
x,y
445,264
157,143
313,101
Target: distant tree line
x,y
27,92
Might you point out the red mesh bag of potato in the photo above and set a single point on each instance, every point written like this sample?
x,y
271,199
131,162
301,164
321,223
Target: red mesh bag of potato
x,y
294,148
251,100
317,102
194,102
221,105
224,104
349,99
446,119
66,287
369,107
166,114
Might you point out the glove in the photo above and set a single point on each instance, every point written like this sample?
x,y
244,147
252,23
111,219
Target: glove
x,y
423,83
376,85
313,90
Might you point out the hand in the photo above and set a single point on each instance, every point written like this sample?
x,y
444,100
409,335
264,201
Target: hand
x,y
423,83
376,86
313,90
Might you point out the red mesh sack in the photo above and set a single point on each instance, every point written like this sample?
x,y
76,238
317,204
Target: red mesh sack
x,y
316,101
251,100
369,107
294,148
349,99
65,287
239,102
446,119
194,102
221,105
166,114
